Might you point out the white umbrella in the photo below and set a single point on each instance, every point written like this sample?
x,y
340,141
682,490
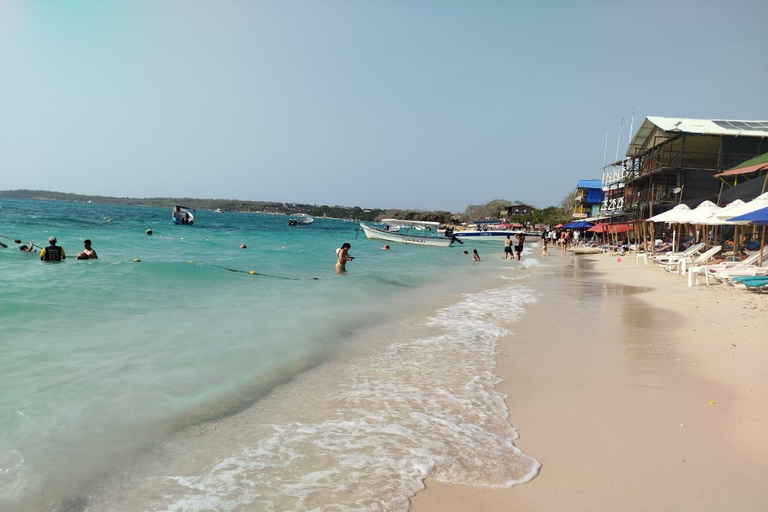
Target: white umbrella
x,y
671,215
732,211
702,213
716,219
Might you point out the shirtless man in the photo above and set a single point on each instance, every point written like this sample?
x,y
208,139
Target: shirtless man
x,y
508,248
343,257
519,241
88,253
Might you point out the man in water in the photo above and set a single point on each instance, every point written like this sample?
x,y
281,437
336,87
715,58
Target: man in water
x,y
88,253
343,257
519,241
508,248
53,252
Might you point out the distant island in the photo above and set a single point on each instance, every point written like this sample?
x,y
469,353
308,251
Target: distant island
x,y
496,209
230,205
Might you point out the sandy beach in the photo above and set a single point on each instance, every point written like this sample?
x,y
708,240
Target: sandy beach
x,y
634,391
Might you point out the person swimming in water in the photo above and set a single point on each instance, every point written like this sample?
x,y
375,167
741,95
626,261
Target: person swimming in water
x,y
343,257
475,256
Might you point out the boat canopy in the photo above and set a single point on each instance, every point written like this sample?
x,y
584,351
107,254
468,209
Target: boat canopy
x,y
399,222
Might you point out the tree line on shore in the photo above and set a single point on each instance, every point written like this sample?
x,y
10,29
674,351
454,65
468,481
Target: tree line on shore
x,y
230,205
550,215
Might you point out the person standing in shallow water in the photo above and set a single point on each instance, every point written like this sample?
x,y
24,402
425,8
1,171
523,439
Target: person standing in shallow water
x,y
508,248
342,255
519,241
475,256
53,252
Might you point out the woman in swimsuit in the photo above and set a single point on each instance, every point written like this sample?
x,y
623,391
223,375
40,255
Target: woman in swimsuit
x,y
343,257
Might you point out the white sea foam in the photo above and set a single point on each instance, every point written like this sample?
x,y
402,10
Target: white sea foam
x,y
423,406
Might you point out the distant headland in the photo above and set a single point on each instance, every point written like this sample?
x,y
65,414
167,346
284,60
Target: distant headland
x,y
497,209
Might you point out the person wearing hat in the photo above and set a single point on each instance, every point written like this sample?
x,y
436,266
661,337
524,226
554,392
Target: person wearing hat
x,y
53,252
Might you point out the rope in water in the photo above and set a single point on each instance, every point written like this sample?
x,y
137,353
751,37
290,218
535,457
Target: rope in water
x,y
137,260
18,241
254,273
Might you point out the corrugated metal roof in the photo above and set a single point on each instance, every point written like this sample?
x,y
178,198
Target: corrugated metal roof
x,y
675,125
590,184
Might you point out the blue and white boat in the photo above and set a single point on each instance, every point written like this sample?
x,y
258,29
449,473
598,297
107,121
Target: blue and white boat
x,y
183,215
408,232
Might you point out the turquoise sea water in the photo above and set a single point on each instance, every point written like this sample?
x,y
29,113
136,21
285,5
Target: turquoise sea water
x,y
174,384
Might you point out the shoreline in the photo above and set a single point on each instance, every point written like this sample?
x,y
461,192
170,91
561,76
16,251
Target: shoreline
x,y
229,441
662,413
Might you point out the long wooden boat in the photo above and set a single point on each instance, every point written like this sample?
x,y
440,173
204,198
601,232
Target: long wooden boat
x,y
402,231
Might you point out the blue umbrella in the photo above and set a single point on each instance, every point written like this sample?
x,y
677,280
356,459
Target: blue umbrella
x,y
757,217
581,224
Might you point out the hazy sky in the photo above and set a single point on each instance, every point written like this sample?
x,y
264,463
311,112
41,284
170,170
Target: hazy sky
x,y
411,104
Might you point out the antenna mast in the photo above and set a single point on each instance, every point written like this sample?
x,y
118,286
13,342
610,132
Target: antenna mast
x,y
618,140
605,150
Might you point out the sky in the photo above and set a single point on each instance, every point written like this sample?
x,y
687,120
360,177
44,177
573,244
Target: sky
x,y
422,104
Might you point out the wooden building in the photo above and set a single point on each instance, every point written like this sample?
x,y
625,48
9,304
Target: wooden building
x,y
674,159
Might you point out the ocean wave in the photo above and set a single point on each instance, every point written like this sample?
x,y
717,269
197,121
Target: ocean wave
x,y
422,407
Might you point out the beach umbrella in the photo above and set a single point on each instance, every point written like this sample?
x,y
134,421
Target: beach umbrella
x,y
671,216
619,228
757,218
598,228
702,213
738,208
581,224
728,213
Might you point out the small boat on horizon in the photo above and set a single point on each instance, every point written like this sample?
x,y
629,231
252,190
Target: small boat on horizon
x,y
183,215
402,231
300,219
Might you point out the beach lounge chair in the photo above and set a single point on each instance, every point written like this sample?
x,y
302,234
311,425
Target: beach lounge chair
x,y
746,267
674,256
758,283
680,264
726,270
730,275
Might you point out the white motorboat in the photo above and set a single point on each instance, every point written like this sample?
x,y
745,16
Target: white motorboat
x,y
183,215
407,232
300,219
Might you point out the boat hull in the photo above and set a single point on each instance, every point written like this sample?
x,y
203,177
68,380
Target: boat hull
x,y
495,234
390,236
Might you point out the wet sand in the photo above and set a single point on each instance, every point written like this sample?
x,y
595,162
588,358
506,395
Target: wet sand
x,y
634,392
